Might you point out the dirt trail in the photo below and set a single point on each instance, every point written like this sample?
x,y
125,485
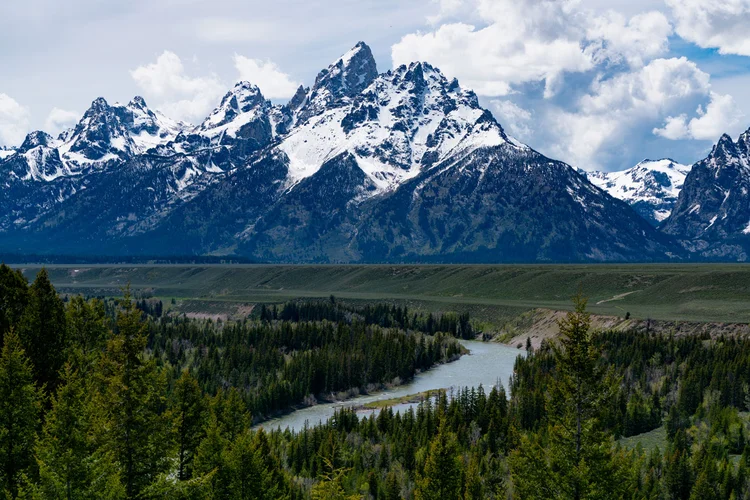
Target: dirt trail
x,y
617,297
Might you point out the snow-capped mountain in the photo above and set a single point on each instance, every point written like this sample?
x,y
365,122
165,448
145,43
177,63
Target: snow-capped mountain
x,y
405,121
712,215
360,167
336,85
651,187
104,135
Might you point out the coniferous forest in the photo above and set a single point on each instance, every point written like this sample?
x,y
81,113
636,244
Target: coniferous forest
x,y
104,398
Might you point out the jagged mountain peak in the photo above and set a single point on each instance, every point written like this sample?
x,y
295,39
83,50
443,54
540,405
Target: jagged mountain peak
x,y
36,160
98,105
725,148
651,187
98,136
724,140
404,165
138,102
349,74
242,104
712,215
298,98
405,121
116,132
242,94
342,80
743,142
34,139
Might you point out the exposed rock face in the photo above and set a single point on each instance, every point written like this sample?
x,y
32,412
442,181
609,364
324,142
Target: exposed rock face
x,y
712,215
360,167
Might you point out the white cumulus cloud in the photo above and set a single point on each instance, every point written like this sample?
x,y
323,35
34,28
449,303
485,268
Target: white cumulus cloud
x,y
719,116
446,9
14,121
719,24
59,120
521,41
514,118
642,37
622,112
583,82
273,82
178,95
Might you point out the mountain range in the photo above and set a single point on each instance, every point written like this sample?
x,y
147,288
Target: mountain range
x,y
651,187
362,166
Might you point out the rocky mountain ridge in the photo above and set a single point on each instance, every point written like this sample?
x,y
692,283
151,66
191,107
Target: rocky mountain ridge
x,y
651,187
711,218
360,167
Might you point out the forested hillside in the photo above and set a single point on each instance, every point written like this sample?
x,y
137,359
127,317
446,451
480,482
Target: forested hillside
x,y
117,399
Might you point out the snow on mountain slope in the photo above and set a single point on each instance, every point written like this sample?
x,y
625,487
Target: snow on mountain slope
x,y
712,215
399,166
104,135
116,132
36,159
405,121
334,86
240,106
148,128
651,187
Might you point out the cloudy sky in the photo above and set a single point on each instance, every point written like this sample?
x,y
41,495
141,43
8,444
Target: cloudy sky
x,y
600,84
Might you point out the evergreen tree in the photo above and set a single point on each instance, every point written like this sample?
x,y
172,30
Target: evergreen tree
x,y
442,470
69,467
273,481
210,458
677,476
575,460
392,486
246,472
329,485
20,406
87,324
188,416
42,331
63,449
131,398
473,481
14,297
231,411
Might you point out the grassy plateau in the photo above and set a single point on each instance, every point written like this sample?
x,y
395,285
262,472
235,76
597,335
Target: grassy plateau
x,y
492,293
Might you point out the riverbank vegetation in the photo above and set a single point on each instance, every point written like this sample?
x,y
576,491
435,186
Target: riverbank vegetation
x,y
105,399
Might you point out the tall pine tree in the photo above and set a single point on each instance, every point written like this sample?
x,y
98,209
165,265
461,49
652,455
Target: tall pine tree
x,y
20,406
131,398
188,417
69,466
88,325
42,330
572,458
442,470
14,297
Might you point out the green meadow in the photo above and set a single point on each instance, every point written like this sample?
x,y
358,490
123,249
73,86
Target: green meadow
x,y
697,292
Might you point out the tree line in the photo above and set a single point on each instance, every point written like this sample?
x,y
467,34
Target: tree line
x,y
385,315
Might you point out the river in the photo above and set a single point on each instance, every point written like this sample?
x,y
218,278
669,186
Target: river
x,y
486,364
